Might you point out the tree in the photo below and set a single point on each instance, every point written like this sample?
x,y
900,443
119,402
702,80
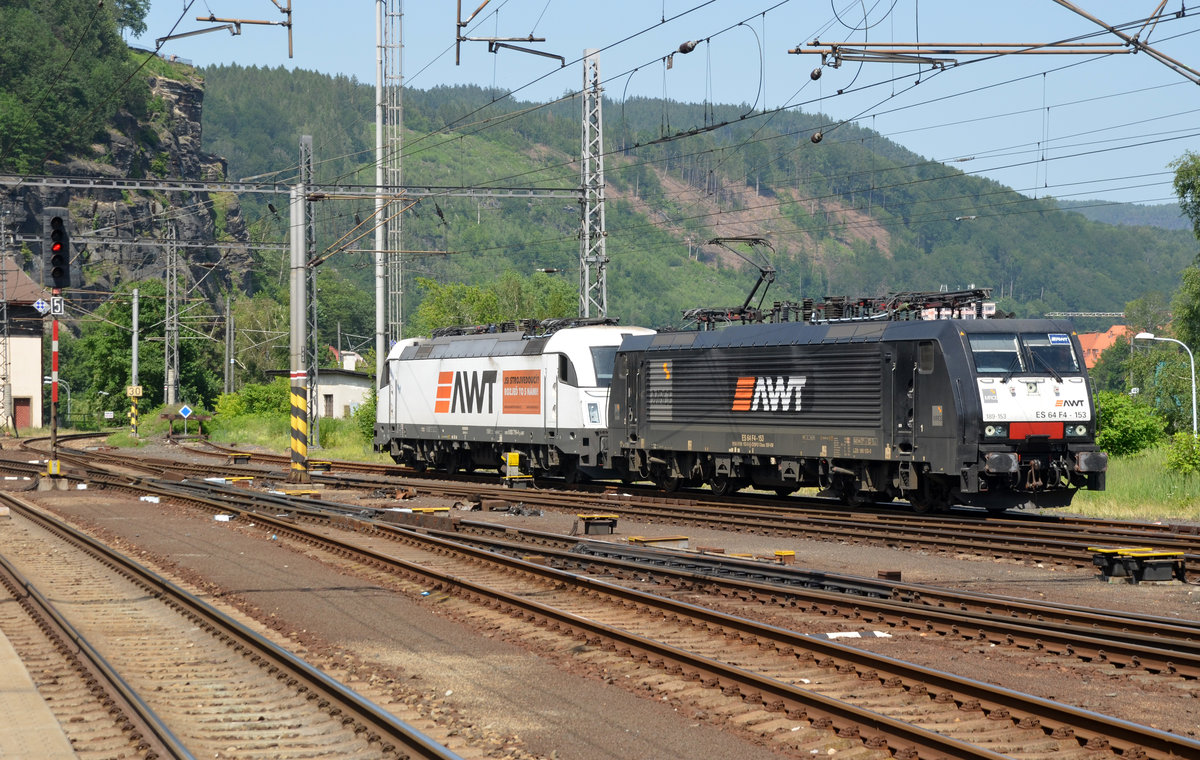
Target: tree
x,y
261,339
1161,373
1149,313
100,359
66,73
510,298
1187,187
1185,308
131,15
341,309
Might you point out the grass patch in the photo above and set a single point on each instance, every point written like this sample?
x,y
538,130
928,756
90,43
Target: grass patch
x,y
1139,487
340,439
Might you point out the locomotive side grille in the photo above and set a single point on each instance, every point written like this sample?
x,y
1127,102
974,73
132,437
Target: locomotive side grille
x,y
783,385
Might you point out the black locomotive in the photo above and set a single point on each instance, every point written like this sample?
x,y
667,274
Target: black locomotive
x,y
996,413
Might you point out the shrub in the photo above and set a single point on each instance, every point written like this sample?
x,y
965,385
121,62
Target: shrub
x,y
364,417
1183,455
256,398
1124,426
230,405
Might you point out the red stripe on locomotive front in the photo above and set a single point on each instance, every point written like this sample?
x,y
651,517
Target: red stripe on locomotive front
x,y
1018,430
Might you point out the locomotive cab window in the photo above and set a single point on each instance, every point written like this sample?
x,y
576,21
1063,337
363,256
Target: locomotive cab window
x,y
996,352
1050,352
925,357
603,358
566,370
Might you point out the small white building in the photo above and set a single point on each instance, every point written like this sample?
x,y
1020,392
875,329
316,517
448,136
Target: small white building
x,y
20,351
338,391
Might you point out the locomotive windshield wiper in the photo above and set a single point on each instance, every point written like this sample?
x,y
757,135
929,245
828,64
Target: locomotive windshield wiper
x,y
1038,358
1013,366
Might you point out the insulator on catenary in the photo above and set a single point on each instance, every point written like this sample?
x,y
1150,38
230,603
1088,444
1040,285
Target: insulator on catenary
x,y
689,46
815,74
817,136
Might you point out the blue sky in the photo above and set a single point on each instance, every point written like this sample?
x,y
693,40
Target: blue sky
x,y
1078,127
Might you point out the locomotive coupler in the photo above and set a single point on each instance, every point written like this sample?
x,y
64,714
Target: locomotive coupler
x,y
1033,480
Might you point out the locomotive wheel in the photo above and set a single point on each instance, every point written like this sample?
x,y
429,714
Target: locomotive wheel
x,y
929,498
723,486
848,492
919,505
570,471
668,483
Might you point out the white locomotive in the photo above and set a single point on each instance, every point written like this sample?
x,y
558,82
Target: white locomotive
x,y
467,396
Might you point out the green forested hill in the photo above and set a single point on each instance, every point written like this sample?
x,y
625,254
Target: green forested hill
x,y
1166,216
852,214
64,75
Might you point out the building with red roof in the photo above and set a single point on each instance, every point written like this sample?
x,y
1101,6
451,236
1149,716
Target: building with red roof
x,y
1094,344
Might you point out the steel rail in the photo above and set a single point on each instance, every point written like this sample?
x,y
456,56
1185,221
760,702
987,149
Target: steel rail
x,y
381,726
996,532
151,736
1041,627
1089,728
1137,632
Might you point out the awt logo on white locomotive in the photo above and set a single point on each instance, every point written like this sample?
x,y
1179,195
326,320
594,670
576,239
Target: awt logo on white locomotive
x,y
474,392
768,394
464,392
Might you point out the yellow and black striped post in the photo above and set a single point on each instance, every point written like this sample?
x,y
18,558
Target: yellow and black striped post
x,y
299,385
133,416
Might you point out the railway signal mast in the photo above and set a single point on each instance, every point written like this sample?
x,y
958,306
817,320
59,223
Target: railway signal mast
x,y
56,272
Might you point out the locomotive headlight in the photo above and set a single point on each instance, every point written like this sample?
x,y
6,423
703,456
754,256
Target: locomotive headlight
x,y
1076,430
996,431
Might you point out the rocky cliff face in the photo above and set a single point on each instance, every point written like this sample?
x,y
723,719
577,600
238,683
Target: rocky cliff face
x,y
123,235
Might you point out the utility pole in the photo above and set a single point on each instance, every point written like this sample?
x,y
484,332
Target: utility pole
x,y
593,255
135,387
389,82
8,420
298,375
171,336
393,121
228,387
313,341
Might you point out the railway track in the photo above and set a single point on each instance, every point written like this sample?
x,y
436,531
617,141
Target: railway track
x,y
96,709
1060,631
218,687
817,686
1034,538
1152,643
